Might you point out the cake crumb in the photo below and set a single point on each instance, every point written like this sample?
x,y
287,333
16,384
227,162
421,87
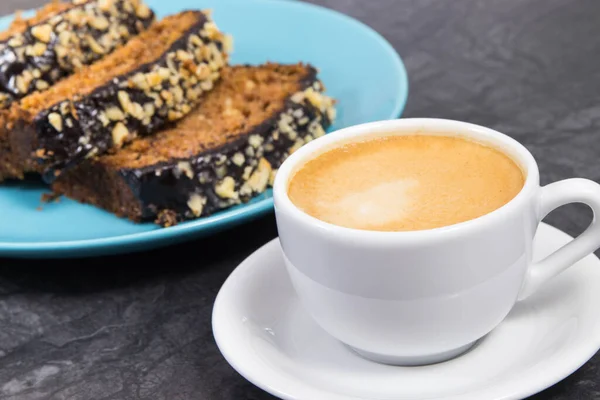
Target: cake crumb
x,y
50,197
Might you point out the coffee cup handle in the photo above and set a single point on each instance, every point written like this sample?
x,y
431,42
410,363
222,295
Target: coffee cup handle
x,y
552,196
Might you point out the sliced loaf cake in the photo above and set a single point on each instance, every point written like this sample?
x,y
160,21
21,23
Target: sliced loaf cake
x,y
223,153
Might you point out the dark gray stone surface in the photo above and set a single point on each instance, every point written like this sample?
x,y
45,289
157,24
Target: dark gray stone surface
x,y
119,328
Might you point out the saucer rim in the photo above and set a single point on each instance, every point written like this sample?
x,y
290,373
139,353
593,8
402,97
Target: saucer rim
x,y
550,374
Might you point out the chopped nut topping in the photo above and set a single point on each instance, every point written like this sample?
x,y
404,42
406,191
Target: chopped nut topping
x,y
196,204
177,94
174,115
195,40
41,85
22,82
154,79
211,31
103,119
206,85
247,172
124,100
139,80
95,46
228,43
42,33
292,135
220,159
255,140
56,121
183,55
137,111
36,50
331,113
114,114
260,178
202,71
99,23
149,110
186,168
226,188
238,159
297,97
16,41
105,5
64,38
316,129
142,11
167,96
221,171
119,134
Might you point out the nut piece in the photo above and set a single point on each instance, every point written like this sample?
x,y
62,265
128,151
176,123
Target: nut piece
x,y
142,11
95,46
186,168
331,113
196,204
315,98
226,188
124,100
16,41
238,159
119,134
255,141
23,81
42,32
114,114
36,50
105,5
100,23
260,178
41,85
228,43
56,121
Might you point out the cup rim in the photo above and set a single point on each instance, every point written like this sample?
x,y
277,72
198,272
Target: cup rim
x,y
444,127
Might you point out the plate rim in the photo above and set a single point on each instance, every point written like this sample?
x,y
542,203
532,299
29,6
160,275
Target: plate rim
x,y
579,355
225,218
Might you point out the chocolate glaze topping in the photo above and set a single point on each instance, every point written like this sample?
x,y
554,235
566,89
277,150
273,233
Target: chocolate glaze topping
x,y
166,191
52,49
135,104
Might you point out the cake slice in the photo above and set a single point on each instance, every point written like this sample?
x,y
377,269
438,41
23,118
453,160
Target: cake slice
x,y
156,78
223,153
37,52
20,24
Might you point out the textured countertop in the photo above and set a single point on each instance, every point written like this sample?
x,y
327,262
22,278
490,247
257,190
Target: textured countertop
x,y
105,329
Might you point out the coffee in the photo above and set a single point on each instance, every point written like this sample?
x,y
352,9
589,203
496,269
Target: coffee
x,y
405,183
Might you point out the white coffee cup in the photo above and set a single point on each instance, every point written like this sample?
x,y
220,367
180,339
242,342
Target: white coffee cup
x,y
420,297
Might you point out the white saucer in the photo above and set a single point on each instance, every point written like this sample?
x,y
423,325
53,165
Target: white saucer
x,y
266,335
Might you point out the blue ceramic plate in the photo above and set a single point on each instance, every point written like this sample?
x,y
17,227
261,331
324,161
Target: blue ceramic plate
x,y
359,68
